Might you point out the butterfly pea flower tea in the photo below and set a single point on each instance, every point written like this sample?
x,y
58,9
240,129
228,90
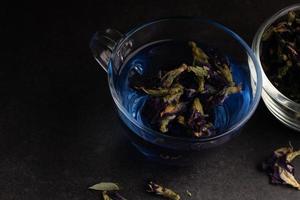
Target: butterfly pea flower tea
x,y
181,100
179,91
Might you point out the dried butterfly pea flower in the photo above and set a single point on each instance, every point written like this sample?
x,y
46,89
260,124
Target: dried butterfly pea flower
x,y
281,27
105,186
165,122
173,97
174,94
279,167
172,109
201,83
204,128
170,76
280,54
197,106
282,151
109,190
198,121
162,191
223,94
181,119
178,95
226,72
291,17
292,155
169,93
200,73
268,33
232,90
198,54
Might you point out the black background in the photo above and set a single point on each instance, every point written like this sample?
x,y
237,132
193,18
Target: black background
x,y
59,132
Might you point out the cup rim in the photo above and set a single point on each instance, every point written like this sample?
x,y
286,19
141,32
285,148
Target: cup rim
x,y
235,127
268,87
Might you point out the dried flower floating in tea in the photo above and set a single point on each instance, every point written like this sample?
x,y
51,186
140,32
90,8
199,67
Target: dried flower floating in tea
x,y
169,77
109,190
162,191
185,96
280,55
198,54
279,167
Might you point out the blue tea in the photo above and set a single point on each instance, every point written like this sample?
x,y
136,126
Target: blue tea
x,y
165,55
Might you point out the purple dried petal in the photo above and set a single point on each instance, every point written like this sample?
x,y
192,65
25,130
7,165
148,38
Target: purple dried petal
x,y
279,168
198,121
275,177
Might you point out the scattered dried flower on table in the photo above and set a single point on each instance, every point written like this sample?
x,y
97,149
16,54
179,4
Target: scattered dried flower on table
x,y
279,167
162,191
105,186
109,191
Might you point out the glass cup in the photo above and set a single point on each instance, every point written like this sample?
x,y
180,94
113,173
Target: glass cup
x,y
283,108
112,50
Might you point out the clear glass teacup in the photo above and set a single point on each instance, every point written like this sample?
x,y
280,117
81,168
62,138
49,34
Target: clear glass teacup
x,y
113,51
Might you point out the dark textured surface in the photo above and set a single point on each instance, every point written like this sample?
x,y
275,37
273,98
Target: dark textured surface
x,y
59,132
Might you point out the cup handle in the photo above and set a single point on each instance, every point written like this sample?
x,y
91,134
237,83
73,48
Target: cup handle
x,y
102,45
